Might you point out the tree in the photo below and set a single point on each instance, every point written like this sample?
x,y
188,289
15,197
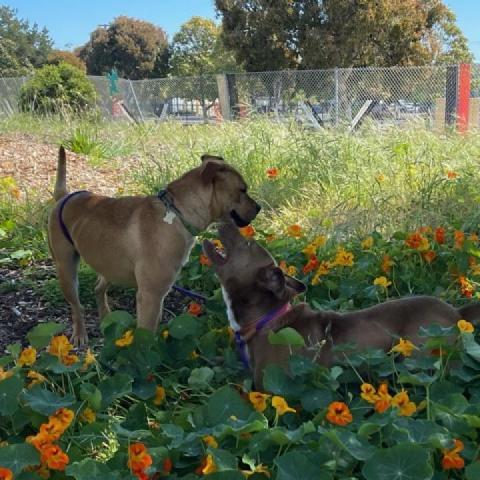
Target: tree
x,y
64,56
22,46
197,49
345,33
137,49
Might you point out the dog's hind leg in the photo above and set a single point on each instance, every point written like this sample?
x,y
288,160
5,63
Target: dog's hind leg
x,y
68,278
101,295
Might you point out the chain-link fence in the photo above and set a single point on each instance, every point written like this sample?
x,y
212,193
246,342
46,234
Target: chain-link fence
x,y
335,97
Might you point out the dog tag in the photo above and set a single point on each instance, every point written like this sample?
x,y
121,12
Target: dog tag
x,y
169,217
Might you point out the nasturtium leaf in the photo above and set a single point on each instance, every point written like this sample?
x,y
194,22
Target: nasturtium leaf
x,y
357,447
200,377
41,335
120,320
286,336
10,389
276,381
18,456
119,385
91,394
300,365
472,472
314,400
223,459
301,465
183,326
405,461
436,330
472,348
174,433
44,401
224,404
144,389
88,469
226,475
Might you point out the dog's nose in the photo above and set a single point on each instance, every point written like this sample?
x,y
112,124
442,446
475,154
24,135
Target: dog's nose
x,y
257,207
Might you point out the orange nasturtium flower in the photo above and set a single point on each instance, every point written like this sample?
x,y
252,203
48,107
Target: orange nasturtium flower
x,y
343,258
125,340
89,358
459,238
406,408
405,347
322,270
167,465
27,357
417,241
387,263
138,459
210,441
54,457
160,395
310,249
339,414
440,235
452,175
88,415
367,243
5,374
207,466
294,231
281,406
6,474
36,378
465,326
204,260
258,400
466,287
272,173
260,468
194,309
429,256
451,458
369,393
248,231
60,346
311,265
64,415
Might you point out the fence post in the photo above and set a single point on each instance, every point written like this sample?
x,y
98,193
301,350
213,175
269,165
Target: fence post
x,y
223,96
463,103
336,95
136,101
451,94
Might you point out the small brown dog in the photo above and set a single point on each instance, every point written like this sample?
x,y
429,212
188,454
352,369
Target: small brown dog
x,y
258,295
136,241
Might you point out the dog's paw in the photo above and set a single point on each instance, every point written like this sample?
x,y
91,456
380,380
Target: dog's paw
x,y
79,340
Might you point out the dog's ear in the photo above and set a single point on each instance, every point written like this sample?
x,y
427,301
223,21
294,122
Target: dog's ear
x,y
211,252
296,285
206,156
210,169
272,279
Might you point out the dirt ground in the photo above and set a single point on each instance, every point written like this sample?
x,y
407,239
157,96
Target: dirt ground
x,y
33,166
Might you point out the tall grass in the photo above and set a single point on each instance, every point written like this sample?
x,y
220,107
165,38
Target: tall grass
x,y
385,179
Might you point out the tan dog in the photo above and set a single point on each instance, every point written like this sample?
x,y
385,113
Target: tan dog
x,y
258,295
138,241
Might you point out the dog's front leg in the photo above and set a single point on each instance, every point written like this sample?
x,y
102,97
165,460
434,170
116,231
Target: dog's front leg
x,y
101,295
149,307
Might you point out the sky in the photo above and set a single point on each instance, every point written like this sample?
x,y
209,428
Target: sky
x,y
70,22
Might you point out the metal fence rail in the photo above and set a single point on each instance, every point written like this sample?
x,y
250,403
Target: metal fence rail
x,y
335,97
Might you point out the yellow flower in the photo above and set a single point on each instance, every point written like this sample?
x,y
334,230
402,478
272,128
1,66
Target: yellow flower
x,y
310,249
210,466
125,340
322,270
319,241
27,357
405,347
89,358
406,408
70,359
465,326
36,378
343,258
291,270
210,441
88,415
59,346
261,468
281,406
5,374
367,244
380,178
382,282
258,400
160,395
194,355
368,393
165,334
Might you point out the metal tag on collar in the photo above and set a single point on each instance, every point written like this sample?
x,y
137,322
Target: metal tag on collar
x,y
169,217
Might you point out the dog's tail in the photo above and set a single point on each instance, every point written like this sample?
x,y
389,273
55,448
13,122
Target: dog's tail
x,y
61,181
470,312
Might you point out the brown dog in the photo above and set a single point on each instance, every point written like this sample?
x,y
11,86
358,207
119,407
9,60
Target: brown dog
x,y
138,241
258,295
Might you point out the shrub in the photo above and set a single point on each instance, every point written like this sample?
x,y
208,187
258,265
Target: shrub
x,y
57,89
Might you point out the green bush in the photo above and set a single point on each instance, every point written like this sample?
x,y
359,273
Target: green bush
x,y
57,89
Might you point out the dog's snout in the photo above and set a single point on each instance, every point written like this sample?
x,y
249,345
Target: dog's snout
x,y
257,207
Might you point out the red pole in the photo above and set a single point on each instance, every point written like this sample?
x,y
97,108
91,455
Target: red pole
x,y
463,102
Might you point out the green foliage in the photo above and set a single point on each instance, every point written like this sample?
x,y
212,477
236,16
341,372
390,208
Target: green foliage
x,y
135,48
22,47
337,33
56,89
197,50
64,56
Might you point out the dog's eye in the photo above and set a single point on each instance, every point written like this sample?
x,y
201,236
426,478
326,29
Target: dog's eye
x,y
243,190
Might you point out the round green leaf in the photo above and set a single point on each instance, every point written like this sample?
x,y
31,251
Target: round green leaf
x,y
10,389
45,402
200,377
406,461
88,469
17,457
183,326
41,335
297,465
286,336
